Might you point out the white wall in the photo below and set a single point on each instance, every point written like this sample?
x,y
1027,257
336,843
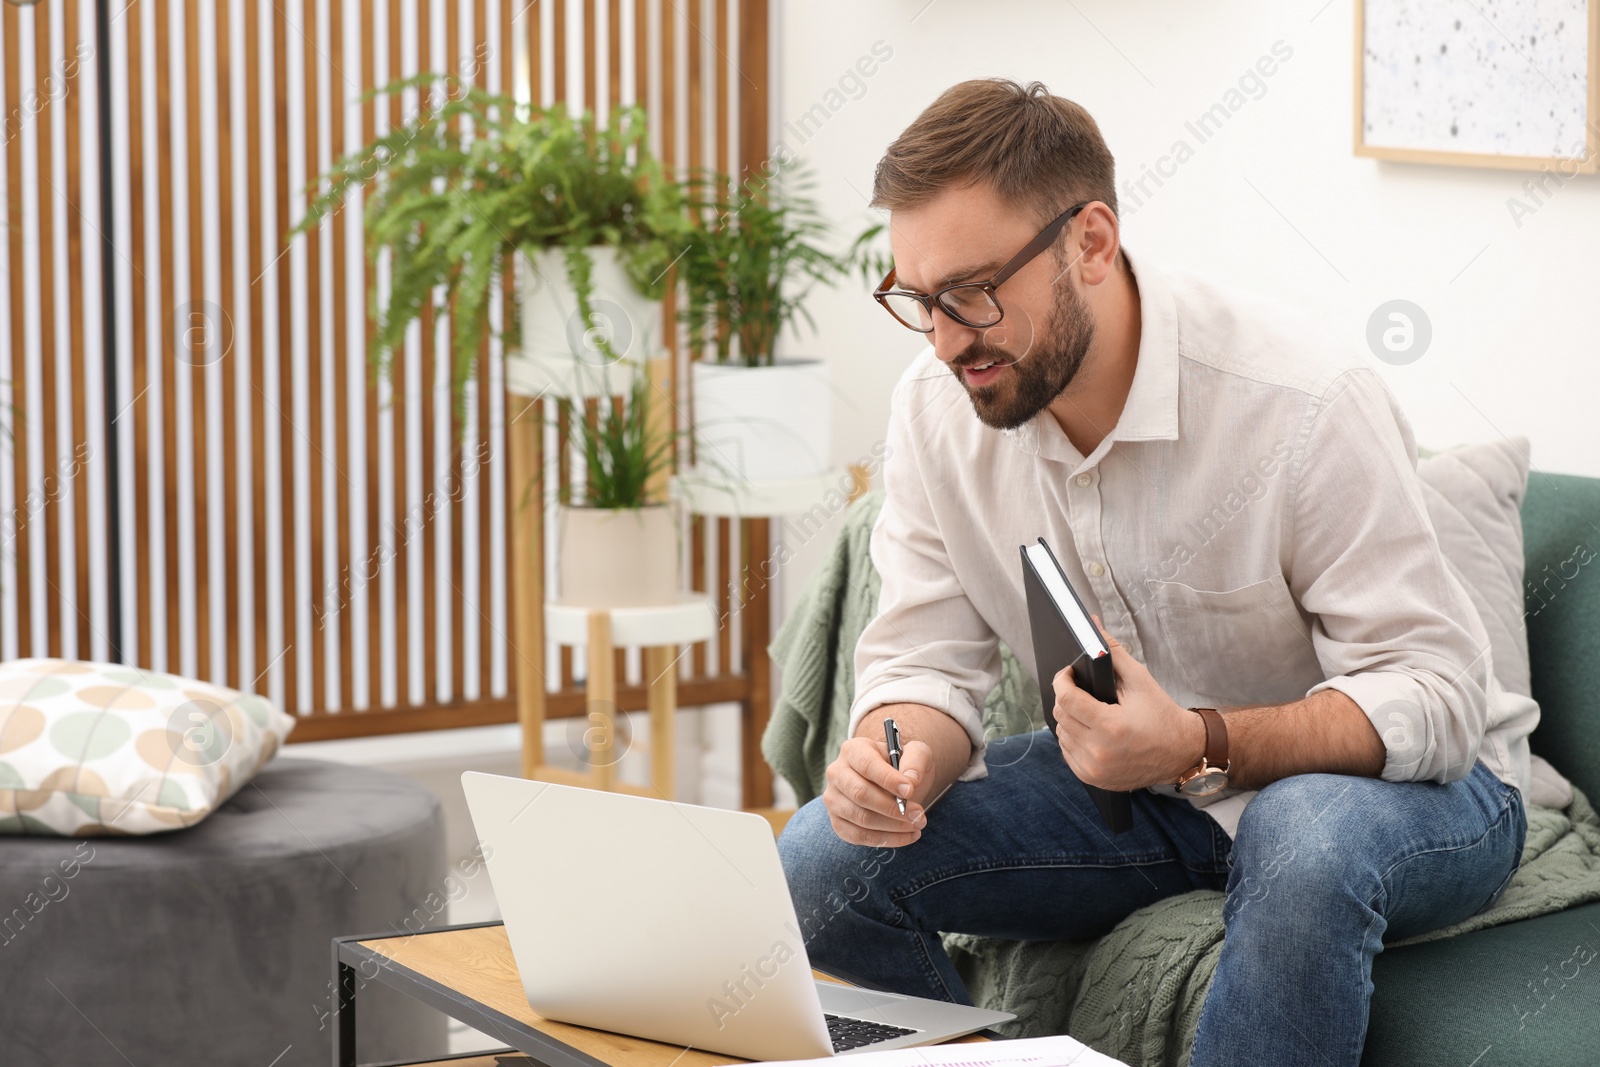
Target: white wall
x,y
1274,201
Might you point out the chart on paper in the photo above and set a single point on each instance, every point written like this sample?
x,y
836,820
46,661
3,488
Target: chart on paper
x,y
1059,1051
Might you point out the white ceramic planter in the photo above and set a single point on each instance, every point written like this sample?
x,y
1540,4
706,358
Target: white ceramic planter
x,y
617,557
560,352
763,424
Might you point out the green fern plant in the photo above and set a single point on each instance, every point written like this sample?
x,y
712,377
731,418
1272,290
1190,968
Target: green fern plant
x,y
752,263
754,257
453,192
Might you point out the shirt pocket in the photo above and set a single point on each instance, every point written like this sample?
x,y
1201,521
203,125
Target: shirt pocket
x,y
1248,645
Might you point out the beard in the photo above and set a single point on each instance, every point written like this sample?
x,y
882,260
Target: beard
x,y
1040,374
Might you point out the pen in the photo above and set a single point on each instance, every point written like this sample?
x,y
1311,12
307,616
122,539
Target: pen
x,y
891,734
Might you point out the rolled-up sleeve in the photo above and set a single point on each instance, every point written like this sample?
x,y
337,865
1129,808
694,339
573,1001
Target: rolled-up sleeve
x,y
1393,628
927,644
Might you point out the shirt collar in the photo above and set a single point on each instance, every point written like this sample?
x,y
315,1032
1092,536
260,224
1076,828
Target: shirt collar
x,y
1151,410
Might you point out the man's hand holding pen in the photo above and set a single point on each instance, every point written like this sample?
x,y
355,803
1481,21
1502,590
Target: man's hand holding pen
x,y
865,791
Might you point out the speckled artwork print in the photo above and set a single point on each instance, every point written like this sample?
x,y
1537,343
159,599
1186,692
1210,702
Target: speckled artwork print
x,y
1502,77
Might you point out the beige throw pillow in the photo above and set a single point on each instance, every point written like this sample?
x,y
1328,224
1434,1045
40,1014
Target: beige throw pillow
x,y
1474,496
91,748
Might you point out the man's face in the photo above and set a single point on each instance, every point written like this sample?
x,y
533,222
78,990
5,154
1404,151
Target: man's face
x,y
1039,345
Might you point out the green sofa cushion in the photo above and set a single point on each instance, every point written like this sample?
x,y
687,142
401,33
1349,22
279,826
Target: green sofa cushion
x,y
1523,993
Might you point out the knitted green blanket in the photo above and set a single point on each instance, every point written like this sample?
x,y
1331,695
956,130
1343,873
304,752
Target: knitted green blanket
x,y
1135,993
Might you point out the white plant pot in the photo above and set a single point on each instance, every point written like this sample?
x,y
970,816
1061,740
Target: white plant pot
x,y
617,557
763,424
561,353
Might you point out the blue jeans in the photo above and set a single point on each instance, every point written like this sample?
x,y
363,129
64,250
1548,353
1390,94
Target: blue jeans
x,y
1323,868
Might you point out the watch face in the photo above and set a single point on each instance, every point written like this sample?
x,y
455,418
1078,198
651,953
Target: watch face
x,y
1202,785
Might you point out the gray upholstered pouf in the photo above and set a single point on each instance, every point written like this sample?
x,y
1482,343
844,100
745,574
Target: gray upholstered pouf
x,y
211,945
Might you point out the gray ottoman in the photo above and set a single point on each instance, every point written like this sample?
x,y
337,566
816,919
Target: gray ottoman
x,y
211,945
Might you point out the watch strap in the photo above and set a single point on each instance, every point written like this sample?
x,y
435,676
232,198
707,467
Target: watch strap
x,y
1216,737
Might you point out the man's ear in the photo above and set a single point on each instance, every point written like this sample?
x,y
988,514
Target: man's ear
x,y
1097,238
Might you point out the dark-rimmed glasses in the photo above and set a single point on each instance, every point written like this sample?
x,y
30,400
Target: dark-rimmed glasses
x,y
972,304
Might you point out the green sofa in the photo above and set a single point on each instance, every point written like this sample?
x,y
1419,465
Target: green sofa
x,y
1523,992
1502,996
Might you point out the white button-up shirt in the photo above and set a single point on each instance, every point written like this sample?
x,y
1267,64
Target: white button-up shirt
x,y
1252,530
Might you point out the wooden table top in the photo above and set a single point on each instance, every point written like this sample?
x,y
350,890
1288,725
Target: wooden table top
x,y
477,962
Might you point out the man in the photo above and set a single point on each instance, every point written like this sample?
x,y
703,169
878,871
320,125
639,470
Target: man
x,y
1238,504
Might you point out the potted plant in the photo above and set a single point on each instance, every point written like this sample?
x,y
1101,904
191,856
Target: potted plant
x,y
475,177
595,269
747,272
617,542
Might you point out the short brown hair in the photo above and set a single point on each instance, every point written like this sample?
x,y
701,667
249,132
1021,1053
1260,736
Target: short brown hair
x,y
1042,153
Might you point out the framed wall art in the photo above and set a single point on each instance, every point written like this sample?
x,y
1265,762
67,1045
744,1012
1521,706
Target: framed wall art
x,y
1510,85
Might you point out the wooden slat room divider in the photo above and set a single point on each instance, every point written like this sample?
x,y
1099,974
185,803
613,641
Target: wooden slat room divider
x,y
53,575
203,476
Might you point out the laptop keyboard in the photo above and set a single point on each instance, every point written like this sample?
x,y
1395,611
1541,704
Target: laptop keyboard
x,y
848,1033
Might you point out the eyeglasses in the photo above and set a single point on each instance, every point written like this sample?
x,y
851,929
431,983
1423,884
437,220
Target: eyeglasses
x,y
972,304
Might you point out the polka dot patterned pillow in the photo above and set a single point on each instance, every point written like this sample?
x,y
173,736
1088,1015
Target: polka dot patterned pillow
x,y
93,748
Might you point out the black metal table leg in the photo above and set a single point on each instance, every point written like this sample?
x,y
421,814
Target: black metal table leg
x,y
344,1011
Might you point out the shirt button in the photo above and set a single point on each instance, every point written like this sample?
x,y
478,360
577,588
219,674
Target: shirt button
x,y
1096,570
1085,479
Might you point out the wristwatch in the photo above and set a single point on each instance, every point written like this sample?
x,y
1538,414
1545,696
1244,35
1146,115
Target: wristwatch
x,y
1212,773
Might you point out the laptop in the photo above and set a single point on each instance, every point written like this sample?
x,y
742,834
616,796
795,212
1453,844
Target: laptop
x,y
673,922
